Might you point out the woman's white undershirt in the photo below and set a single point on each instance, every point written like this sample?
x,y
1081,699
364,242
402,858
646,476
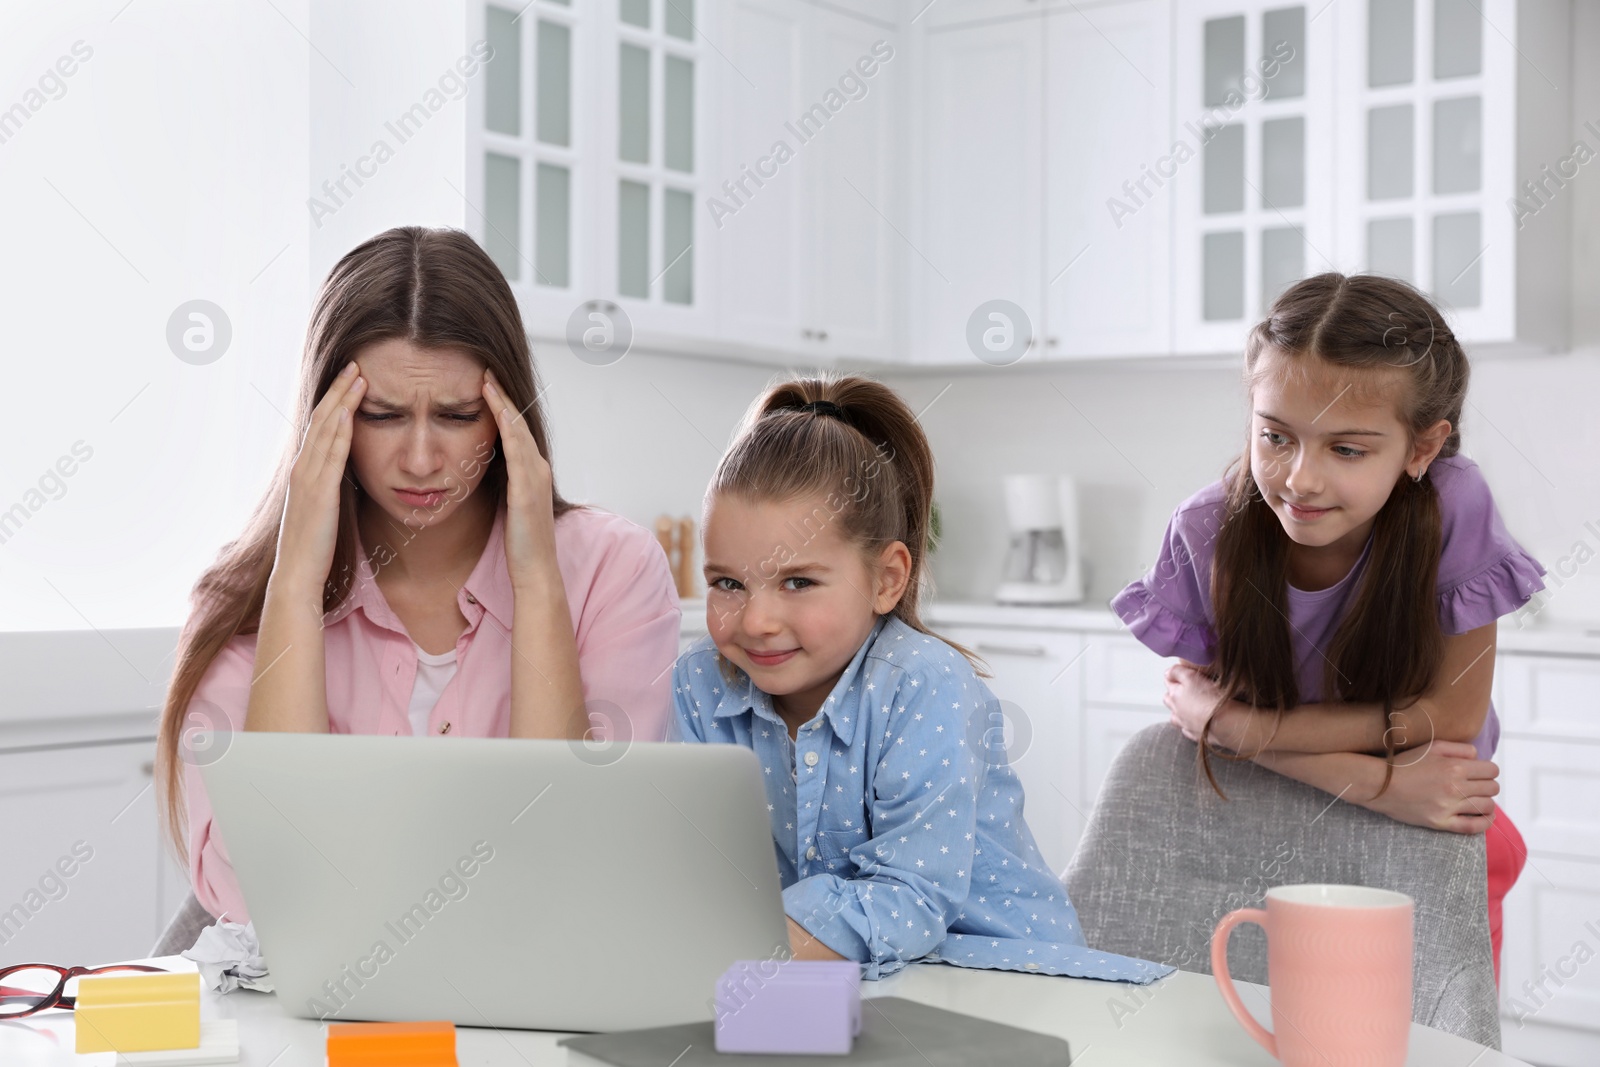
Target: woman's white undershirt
x,y
433,674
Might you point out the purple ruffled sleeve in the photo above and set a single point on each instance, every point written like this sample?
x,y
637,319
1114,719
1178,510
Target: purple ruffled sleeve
x,y
1169,609
1483,572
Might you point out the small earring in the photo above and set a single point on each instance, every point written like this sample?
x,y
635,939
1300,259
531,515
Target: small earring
x,y
1417,477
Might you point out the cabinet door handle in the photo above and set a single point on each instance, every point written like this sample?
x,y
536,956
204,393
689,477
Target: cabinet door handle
x,y
148,768
1013,650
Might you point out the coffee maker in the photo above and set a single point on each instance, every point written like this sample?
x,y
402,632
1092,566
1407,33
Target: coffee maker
x,y
1043,565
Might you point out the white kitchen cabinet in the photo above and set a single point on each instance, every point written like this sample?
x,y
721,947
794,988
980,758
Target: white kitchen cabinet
x,y
86,877
1549,758
802,212
979,173
1454,148
1123,688
656,162
1253,209
533,157
592,153
1037,682
1397,140
1107,218
1550,983
943,13
758,231
853,256
1033,192
629,160
1549,696
1552,790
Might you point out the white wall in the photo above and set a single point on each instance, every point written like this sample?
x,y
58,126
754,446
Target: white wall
x,y
171,168
176,163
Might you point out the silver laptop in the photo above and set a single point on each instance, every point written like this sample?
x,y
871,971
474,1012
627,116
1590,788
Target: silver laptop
x,y
495,882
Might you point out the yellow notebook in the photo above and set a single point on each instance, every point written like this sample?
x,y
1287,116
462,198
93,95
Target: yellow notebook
x,y
138,1013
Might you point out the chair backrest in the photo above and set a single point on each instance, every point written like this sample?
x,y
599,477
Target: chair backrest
x,y
183,928
1164,859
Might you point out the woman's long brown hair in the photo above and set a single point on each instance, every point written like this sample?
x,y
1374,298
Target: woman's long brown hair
x,y
1389,646
432,287
871,468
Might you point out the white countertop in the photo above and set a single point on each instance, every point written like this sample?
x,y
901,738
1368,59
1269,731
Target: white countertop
x,y
1536,638
109,685
1178,1020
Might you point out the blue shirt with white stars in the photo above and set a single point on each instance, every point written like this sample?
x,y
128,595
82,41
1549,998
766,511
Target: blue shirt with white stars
x,y
897,821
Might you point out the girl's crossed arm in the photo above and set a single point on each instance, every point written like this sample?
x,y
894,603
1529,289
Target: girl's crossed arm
x,y
1437,780
1453,709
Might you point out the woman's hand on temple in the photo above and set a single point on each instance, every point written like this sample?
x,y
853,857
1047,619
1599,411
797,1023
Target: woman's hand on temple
x,y
530,524
309,528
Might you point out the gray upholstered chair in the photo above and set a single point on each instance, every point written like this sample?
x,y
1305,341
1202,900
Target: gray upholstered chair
x,y
183,928
1164,858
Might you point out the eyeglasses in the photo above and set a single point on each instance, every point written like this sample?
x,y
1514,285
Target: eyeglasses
x,y
29,987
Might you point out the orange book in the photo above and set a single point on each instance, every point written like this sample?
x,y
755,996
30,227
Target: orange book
x,y
430,1044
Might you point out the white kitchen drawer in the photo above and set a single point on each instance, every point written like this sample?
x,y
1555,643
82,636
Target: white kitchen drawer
x,y
1552,928
1106,728
1549,696
85,876
1120,670
1552,791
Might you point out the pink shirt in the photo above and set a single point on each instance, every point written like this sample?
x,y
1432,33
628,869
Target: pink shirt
x,y
625,616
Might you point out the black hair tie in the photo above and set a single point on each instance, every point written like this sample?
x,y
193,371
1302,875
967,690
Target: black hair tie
x,y
823,407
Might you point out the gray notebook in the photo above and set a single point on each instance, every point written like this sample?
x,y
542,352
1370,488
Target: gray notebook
x,y
894,1031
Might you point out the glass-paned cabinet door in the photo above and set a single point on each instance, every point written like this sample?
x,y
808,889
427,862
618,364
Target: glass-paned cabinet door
x,y
1427,95
527,162
654,158
1250,167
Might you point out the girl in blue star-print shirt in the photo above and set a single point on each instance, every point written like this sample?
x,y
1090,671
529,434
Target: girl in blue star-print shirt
x,y
898,826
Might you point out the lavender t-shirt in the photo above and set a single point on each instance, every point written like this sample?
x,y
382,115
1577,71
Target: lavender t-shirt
x,y
1483,574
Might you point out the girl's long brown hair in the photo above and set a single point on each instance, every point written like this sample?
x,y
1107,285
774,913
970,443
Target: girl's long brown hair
x,y
432,287
870,465
1389,646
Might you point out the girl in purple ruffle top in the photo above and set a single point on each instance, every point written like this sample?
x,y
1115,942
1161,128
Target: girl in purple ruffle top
x,y
1332,600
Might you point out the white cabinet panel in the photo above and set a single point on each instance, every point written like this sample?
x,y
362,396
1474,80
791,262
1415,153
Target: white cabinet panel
x,y
1451,134
83,865
1253,209
939,13
1551,696
1552,791
1108,217
853,261
1106,729
980,171
1552,931
807,186
1122,671
1037,682
759,220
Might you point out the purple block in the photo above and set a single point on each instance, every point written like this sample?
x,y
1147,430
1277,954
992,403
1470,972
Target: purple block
x,y
797,1007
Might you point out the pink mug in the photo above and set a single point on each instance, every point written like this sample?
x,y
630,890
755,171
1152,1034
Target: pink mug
x,y
1339,961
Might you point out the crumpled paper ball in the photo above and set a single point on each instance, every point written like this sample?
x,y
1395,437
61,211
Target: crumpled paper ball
x,y
229,957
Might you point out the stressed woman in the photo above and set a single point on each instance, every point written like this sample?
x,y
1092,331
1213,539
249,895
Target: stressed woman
x,y
411,568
